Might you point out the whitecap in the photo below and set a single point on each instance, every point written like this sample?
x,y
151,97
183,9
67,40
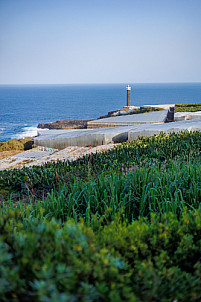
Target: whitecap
x,y
26,132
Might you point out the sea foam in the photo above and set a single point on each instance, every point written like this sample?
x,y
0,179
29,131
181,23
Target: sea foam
x,y
26,132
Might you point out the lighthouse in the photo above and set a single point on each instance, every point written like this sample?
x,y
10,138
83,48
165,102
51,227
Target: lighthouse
x,y
128,88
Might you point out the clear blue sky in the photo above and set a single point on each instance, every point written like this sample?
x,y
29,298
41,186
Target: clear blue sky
x,y
99,41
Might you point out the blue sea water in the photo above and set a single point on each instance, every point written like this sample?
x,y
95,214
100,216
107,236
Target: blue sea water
x,y
22,107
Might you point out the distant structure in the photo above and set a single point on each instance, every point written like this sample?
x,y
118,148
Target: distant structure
x,y
128,88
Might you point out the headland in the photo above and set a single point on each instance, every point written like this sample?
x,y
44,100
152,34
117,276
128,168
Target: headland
x,y
70,140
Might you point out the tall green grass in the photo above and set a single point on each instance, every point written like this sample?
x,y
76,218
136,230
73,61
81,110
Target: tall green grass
x,y
160,148
150,175
137,191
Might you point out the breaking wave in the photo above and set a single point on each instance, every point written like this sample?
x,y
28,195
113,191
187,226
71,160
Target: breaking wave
x,y
27,132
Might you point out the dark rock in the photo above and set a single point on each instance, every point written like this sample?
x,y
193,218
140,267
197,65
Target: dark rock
x,y
65,124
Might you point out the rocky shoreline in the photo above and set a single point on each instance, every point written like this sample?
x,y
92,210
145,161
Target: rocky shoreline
x,y
82,124
65,124
70,124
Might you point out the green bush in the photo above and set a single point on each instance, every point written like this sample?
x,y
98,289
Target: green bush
x,y
16,144
157,261
141,110
187,107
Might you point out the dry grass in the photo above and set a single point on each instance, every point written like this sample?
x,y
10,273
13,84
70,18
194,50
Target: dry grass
x,y
16,144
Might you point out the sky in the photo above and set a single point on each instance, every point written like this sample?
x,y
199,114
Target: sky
x,y
100,41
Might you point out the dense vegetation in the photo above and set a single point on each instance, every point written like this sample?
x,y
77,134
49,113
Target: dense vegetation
x,y
16,144
124,225
188,107
141,110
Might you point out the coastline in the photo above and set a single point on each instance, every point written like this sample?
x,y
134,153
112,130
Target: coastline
x,y
187,111
23,108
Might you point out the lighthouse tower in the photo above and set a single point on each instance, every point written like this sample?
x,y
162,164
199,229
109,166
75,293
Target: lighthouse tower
x,y
128,88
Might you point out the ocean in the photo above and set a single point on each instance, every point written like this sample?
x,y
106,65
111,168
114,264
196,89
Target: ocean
x,y
22,107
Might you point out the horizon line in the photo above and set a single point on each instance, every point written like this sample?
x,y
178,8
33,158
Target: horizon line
x,y
98,83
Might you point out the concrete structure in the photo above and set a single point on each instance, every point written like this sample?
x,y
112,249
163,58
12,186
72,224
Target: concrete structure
x,y
37,157
41,155
183,116
130,120
61,139
151,130
26,158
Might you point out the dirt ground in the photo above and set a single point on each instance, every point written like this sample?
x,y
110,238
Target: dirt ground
x,y
5,154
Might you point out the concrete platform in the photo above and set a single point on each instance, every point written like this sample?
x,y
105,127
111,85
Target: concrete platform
x,y
60,139
182,116
151,130
36,157
32,154
130,120
24,158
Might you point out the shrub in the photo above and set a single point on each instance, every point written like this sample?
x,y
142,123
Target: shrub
x,y
16,144
188,107
157,261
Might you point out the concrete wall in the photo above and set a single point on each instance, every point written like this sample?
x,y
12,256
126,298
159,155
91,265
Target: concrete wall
x,y
81,138
60,139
